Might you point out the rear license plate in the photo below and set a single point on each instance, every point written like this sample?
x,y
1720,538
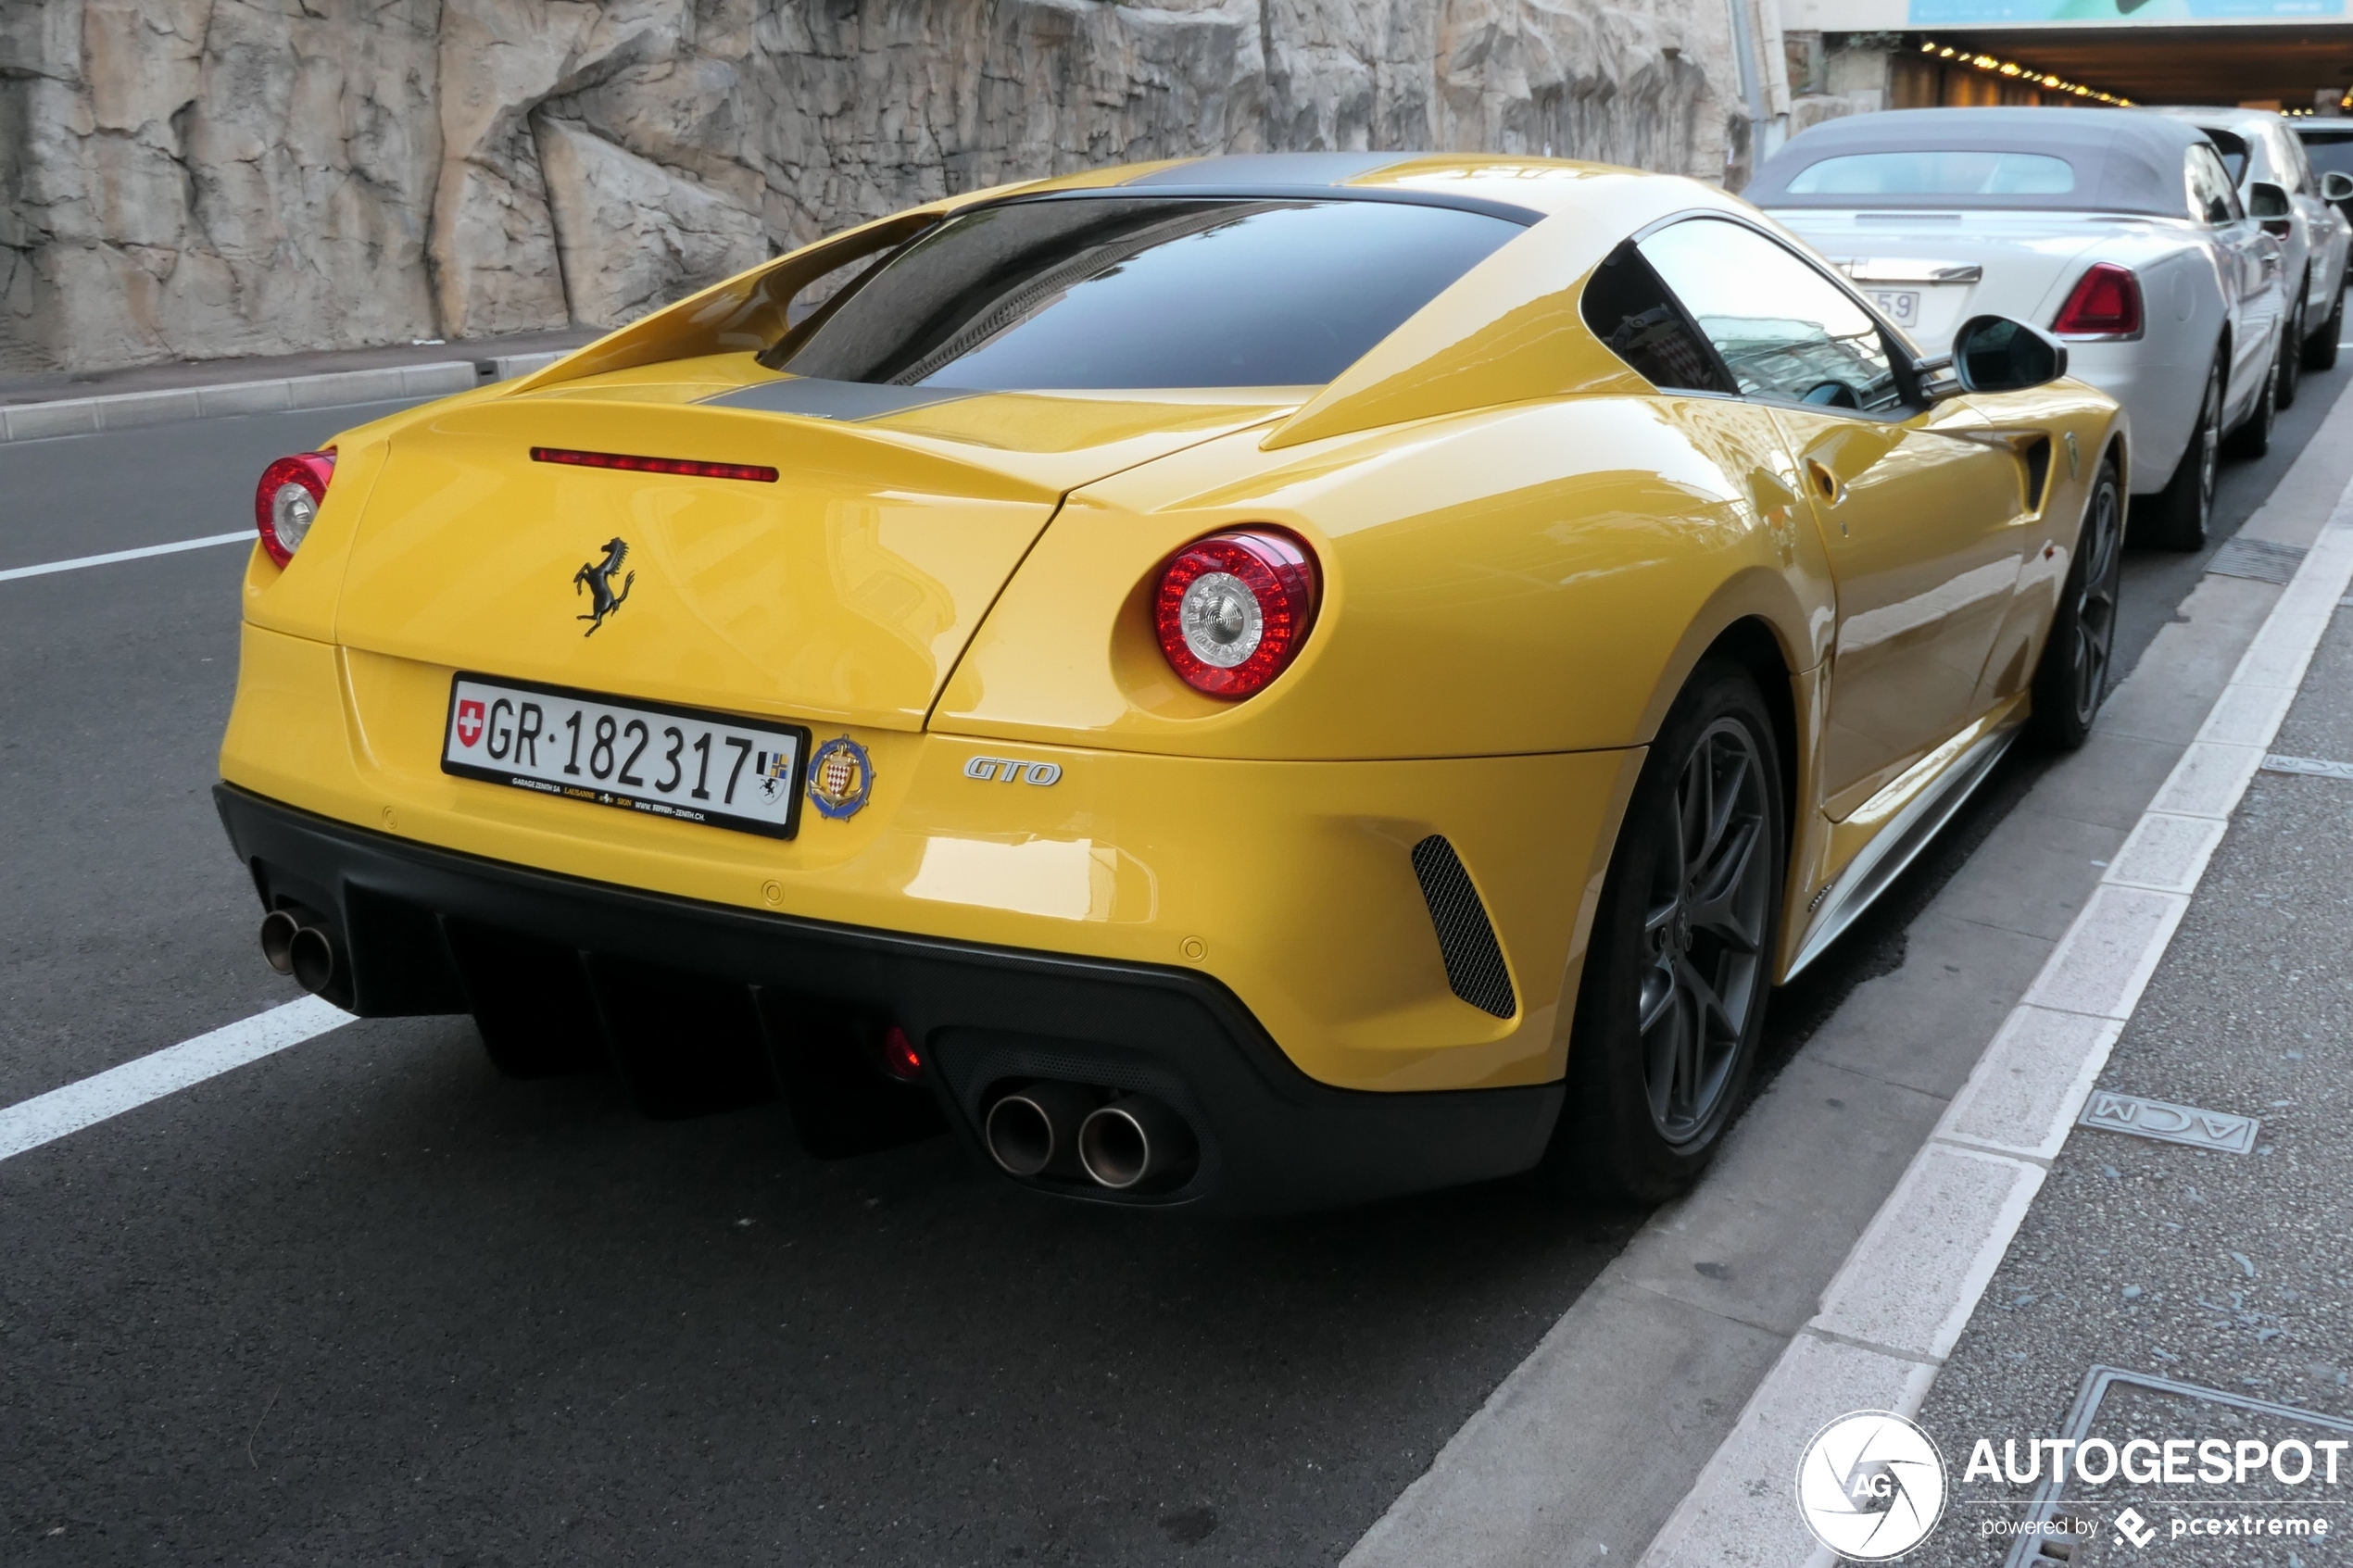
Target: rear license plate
x,y
1899,306
678,762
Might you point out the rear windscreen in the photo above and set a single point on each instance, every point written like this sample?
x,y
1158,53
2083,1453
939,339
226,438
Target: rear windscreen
x,y
1128,292
1936,172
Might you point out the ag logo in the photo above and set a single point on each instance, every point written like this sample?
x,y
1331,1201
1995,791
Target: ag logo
x,y
469,720
1871,1485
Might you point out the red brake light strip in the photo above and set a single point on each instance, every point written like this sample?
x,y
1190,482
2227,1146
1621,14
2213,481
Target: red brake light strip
x,y
688,467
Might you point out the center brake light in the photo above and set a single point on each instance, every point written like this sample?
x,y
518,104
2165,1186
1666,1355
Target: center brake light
x,y
688,467
2105,303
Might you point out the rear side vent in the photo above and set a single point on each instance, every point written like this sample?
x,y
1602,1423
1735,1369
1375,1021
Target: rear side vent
x,y
1465,939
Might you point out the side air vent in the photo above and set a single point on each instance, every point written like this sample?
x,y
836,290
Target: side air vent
x,y
1466,938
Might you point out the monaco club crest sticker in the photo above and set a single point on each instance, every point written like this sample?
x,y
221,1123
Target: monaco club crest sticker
x,y
840,777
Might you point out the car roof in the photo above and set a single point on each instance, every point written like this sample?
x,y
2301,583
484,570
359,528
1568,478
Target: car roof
x,y
2125,160
1537,186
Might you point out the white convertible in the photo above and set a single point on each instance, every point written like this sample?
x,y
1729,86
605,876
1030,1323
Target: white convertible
x,y
2121,232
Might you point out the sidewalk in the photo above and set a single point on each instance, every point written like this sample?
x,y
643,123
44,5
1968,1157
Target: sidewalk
x,y
2228,1270
36,408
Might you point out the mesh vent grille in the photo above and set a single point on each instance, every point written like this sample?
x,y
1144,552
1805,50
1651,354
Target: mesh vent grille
x,y
1465,939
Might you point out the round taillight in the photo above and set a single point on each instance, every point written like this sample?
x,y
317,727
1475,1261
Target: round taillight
x,y
287,499
1233,609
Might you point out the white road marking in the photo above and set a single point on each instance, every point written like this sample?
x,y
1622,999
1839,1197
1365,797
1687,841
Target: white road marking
x,y
47,1118
241,536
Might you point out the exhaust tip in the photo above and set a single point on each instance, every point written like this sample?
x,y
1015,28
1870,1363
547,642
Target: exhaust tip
x,y
278,930
1033,1129
310,958
1135,1141
1021,1138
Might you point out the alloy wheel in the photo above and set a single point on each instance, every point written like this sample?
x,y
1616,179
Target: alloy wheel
x,y
2095,602
1703,932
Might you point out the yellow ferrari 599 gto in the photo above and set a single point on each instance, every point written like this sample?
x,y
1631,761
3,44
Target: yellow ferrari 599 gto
x,y
1253,682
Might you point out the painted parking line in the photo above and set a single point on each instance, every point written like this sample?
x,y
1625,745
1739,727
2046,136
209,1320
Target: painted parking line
x,y
241,536
60,1112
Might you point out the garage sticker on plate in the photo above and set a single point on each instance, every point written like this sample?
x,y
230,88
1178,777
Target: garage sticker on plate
x,y
680,762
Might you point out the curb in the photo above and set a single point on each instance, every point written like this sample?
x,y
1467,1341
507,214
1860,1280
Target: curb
x,y
89,416
1900,1302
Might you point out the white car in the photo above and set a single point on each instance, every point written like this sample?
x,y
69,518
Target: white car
x,y
2119,233
2258,147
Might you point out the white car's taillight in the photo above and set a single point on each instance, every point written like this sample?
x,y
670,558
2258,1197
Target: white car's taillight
x,y
1232,609
287,499
2105,303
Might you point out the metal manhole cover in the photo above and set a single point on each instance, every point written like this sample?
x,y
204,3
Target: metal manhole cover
x,y
2121,1407
2258,558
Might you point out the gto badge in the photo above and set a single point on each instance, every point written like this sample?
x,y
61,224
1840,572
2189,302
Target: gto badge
x,y
840,778
1005,770
596,577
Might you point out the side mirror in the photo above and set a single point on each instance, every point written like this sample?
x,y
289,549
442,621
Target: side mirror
x,y
1995,354
2267,205
2336,187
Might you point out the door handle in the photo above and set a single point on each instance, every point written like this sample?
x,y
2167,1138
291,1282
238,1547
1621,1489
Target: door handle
x,y
1825,483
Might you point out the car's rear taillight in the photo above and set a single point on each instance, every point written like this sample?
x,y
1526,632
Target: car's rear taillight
x,y
2106,303
1232,609
287,499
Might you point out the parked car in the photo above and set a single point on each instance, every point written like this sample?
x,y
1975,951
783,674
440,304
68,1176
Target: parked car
x,y
2258,149
2121,232
2328,145
1263,681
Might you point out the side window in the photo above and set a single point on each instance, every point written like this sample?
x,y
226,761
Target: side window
x,y
2292,159
1628,309
2213,198
1783,330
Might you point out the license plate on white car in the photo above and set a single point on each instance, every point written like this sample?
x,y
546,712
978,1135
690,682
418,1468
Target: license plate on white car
x,y
1899,306
678,762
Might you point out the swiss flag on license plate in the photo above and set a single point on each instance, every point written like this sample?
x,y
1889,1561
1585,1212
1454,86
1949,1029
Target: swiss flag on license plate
x,y
469,720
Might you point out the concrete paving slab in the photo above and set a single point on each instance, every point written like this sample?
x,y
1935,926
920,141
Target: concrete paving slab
x,y
2189,660
2166,854
2209,779
1912,1280
2110,781
2021,1098
2102,965
2243,714
1731,1522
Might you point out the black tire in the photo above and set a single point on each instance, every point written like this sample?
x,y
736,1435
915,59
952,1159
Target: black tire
x,y
2072,681
1678,931
2291,367
2320,349
2175,518
2253,438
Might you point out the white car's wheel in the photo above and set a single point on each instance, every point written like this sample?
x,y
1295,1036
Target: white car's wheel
x,y
2320,349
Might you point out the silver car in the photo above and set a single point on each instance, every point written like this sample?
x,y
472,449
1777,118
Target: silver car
x,y
2259,148
2122,234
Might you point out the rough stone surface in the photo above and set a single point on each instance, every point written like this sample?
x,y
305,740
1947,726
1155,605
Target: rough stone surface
x,y
188,178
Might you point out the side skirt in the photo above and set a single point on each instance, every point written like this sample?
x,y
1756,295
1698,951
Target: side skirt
x,y
1898,844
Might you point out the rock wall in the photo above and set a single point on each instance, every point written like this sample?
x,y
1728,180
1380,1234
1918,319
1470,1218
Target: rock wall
x,y
187,178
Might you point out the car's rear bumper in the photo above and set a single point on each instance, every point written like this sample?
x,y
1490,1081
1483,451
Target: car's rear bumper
x,y
1272,1139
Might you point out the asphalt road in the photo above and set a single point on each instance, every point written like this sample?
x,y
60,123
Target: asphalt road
x,y
364,1300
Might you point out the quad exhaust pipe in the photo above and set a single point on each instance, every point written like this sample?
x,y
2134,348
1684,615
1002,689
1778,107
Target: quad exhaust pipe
x,y
304,951
1065,1132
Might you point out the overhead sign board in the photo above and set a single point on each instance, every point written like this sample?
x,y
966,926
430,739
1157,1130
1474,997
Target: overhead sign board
x,y
2114,13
